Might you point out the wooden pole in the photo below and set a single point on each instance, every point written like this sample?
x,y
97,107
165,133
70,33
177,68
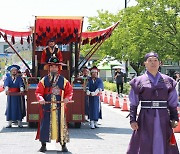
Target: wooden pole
x,y
34,50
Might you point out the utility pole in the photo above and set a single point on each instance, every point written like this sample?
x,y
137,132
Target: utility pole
x,y
125,3
126,63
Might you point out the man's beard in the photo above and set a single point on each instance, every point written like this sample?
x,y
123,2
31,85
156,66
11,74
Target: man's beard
x,y
13,74
94,77
53,73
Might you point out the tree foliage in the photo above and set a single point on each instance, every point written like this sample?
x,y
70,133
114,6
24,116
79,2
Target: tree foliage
x,y
152,25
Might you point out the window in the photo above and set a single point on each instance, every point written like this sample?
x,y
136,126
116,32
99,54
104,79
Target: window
x,y
5,47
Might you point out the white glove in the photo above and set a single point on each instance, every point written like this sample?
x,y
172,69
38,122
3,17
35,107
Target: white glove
x,y
66,100
96,91
87,92
6,88
22,89
93,94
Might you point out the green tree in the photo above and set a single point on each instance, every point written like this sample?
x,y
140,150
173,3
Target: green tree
x,y
163,16
151,25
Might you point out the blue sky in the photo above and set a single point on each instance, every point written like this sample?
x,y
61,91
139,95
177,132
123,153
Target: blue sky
x,y
18,15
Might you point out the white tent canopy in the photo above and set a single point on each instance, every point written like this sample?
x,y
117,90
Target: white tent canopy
x,y
120,67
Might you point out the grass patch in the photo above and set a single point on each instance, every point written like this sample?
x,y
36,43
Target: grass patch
x,y
112,87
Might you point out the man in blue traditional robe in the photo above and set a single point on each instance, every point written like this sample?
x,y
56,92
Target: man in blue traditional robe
x,y
15,110
155,93
85,76
94,88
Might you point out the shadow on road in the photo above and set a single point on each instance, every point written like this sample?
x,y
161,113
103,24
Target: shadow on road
x,y
15,128
56,151
86,133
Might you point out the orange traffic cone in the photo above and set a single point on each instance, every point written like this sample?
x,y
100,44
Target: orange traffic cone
x,y
172,139
177,129
1,89
117,103
105,98
111,100
124,107
101,97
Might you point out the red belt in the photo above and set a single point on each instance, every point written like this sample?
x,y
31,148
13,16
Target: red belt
x,y
14,89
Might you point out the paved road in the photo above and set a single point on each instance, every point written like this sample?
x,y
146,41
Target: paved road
x,y
111,138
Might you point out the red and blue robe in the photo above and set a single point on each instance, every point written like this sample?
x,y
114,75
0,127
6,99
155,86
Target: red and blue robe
x,y
44,91
15,109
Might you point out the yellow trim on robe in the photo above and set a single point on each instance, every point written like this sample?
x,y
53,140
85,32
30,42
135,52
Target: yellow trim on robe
x,y
54,130
42,81
65,81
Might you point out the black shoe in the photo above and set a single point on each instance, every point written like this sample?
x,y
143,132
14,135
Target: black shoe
x,y
20,126
43,148
86,120
64,148
96,126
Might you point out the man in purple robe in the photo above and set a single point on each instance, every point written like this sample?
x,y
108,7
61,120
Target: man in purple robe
x,y
157,97
94,88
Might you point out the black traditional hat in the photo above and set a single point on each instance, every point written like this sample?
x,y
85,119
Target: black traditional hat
x,y
53,61
13,67
51,40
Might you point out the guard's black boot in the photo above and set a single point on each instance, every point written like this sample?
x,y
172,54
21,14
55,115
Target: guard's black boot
x,y
43,147
64,148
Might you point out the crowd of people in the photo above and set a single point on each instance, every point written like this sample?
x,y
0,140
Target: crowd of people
x,y
52,88
157,95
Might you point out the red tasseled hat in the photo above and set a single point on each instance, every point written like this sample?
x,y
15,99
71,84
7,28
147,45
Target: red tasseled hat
x,y
94,69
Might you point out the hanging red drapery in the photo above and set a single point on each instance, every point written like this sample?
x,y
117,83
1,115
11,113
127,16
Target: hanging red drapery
x,y
97,36
14,34
63,29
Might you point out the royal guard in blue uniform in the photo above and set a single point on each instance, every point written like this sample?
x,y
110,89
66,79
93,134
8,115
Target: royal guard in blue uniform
x,y
94,88
51,89
15,110
156,94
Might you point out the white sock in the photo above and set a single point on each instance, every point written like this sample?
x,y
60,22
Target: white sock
x,y
92,124
9,123
95,123
19,123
